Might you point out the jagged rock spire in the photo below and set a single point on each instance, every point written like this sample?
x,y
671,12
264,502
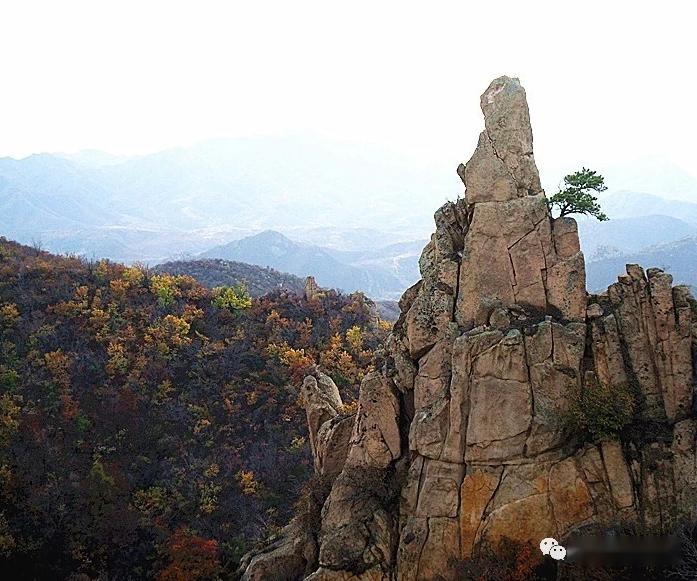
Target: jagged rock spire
x,y
511,253
503,166
458,440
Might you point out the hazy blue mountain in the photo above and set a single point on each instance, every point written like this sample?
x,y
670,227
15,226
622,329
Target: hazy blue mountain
x,y
400,259
359,216
632,204
93,157
274,250
678,258
348,196
43,193
630,234
280,183
341,238
388,310
654,175
135,244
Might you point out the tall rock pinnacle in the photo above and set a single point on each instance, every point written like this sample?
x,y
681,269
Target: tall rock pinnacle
x,y
459,439
503,167
511,253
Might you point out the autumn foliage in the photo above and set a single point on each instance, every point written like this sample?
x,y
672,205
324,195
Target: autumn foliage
x,y
150,427
191,558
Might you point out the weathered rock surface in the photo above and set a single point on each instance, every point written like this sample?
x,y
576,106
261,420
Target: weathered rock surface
x,y
458,440
329,432
312,289
294,553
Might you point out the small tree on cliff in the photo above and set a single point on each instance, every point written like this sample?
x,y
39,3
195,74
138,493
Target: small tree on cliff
x,y
576,197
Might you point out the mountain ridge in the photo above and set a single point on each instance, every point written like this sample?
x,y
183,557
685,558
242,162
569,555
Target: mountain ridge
x,y
272,249
258,280
679,258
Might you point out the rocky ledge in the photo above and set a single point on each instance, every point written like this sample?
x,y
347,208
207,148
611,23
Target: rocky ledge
x,y
461,438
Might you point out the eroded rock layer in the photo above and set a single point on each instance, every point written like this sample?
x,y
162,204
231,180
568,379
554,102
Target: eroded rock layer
x,y
459,440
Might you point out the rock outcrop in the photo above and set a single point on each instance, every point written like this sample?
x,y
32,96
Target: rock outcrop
x,y
293,553
312,289
459,439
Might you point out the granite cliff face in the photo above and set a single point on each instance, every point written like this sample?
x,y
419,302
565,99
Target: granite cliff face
x,y
459,439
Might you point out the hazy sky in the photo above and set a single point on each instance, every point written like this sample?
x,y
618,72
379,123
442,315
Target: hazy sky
x,y
605,80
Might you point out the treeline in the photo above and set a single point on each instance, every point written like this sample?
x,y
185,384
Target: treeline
x,y
150,427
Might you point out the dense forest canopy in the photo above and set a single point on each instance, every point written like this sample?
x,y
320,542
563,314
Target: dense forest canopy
x,y
148,429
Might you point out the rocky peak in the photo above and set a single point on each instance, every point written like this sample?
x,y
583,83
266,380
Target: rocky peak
x,y
511,253
312,289
503,166
459,439
498,246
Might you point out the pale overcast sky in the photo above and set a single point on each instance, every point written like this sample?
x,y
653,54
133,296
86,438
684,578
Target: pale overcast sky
x,y
606,80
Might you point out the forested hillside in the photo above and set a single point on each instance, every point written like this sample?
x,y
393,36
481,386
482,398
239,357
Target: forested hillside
x,y
375,272
149,426
212,272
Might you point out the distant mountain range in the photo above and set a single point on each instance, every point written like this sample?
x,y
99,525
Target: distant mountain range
x,y
356,218
384,273
620,235
380,273
678,258
184,200
645,229
653,175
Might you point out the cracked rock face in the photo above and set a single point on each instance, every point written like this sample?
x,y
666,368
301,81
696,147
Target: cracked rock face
x,y
458,440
